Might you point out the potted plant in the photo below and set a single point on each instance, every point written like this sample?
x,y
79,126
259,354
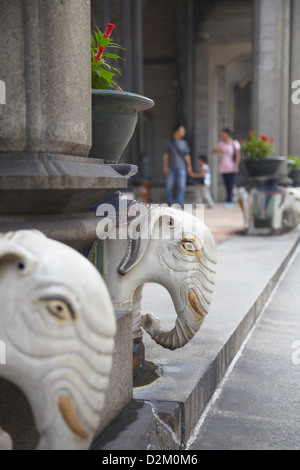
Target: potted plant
x,y
257,151
114,112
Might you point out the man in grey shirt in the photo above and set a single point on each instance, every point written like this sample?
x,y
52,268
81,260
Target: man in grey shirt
x,y
177,161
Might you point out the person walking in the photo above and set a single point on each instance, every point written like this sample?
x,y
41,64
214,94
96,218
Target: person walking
x,y
203,182
230,150
176,161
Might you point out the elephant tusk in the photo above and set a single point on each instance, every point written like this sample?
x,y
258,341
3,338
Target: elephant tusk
x,y
130,256
195,304
70,416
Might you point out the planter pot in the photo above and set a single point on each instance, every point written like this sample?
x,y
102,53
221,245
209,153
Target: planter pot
x,y
266,167
114,119
295,176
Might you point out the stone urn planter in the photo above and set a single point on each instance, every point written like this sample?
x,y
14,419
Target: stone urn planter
x,y
114,119
295,176
264,167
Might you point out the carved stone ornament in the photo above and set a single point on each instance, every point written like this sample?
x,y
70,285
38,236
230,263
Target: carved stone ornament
x,y
58,325
176,250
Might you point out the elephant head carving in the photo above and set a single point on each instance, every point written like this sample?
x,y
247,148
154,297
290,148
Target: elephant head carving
x,y
175,249
57,322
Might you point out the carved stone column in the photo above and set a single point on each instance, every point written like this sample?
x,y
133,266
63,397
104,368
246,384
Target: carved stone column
x,y
46,179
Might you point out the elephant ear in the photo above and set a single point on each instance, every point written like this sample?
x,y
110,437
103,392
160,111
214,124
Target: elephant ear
x,y
140,232
12,250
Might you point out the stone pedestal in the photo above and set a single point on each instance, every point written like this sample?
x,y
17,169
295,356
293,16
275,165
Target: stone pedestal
x,y
119,393
45,64
263,194
47,181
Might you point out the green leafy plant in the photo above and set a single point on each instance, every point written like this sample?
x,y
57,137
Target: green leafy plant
x,y
257,148
102,72
296,162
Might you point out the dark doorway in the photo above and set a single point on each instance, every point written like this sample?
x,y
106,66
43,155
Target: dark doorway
x,y
242,110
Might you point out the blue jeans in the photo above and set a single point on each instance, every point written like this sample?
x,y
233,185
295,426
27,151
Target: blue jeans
x,y
176,180
229,182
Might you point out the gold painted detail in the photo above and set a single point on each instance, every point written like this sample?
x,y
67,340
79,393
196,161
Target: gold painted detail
x,y
195,304
70,416
190,247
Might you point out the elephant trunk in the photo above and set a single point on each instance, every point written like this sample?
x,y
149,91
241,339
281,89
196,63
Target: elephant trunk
x,y
187,324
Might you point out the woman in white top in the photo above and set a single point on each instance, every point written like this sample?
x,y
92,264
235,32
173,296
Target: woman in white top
x,y
231,157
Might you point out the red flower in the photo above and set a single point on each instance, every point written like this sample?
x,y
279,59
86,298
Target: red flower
x,y
264,138
99,54
109,30
244,141
250,132
272,140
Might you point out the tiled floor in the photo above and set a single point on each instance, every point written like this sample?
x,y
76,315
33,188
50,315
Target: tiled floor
x,y
224,222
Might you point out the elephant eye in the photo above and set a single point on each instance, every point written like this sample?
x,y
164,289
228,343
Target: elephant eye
x,y
59,308
189,246
21,266
171,223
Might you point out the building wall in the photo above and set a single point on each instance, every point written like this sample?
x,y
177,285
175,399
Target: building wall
x,y
223,39
223,42
223,59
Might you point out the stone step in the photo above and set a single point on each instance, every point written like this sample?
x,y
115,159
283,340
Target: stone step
x,y
173,391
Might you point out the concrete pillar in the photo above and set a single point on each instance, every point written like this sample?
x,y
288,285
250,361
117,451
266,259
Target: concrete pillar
x,y
45,123
132,41
127,44
137,23
185,66
222,114
45,64
294,148
271,70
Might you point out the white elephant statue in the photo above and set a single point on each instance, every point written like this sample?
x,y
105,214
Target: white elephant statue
x,y
278,210
58,325
287,210
169,247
